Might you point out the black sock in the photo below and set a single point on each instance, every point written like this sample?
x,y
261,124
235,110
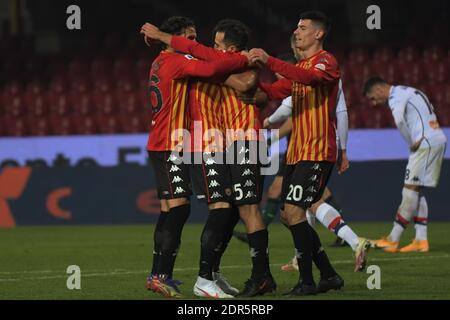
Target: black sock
x,y
258,242
171,235
303,245
157,240
212,240
320,257
234,219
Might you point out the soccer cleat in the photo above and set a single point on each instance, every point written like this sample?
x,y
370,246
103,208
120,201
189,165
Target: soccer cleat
x,y
302,289
416,246
209,289
334,282
166,287
241,236
361,254
386,244
290,266
259,287
223,284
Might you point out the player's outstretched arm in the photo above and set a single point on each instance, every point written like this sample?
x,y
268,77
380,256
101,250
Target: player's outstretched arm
x,y
320,73
283,112
277,90
188,67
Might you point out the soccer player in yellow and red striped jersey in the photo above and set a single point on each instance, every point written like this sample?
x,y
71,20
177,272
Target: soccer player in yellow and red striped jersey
x,y
242,123
168,96
312,151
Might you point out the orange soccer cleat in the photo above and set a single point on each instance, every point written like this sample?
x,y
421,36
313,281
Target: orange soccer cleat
x,y
416,246
386,244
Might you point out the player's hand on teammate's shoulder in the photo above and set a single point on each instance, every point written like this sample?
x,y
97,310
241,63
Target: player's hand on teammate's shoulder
x,y
258,55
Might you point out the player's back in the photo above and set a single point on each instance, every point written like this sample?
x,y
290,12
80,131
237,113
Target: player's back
x,y
419,115
241,120
205,115
168,100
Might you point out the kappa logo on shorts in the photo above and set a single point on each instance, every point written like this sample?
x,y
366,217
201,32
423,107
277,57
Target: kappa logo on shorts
x,y
309,199
313,178
172,158
165,193
174,168
315,166
212,173
247,172
209,161
244,150
245,161
176,179
216,195
311,189
253,252
250,194
179,190
249,183
201,196
214,184
416,179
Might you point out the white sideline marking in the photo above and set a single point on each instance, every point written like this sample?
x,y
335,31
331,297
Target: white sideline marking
x,y
124,272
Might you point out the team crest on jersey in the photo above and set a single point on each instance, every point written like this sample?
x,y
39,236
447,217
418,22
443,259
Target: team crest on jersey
x,y
188,56
320,66
155,66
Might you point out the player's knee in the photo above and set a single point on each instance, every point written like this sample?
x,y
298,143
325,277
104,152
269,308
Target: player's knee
x,y
294,214
315,206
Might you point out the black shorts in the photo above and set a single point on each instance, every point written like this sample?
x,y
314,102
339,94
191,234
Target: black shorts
x,y
172,178
305,182
211,179
245,170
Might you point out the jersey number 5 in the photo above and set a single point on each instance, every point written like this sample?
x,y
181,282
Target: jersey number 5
x,y
156,100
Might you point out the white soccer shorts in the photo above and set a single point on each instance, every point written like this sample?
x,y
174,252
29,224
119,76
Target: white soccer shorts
x,y
424,166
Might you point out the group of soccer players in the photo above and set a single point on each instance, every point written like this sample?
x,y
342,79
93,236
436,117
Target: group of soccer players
x,y
206,134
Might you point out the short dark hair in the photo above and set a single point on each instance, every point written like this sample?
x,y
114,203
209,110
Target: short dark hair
x,y
176,25
319,18
371,82
235,33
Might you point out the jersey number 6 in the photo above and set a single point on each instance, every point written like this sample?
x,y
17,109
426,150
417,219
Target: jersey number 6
x,y
154,80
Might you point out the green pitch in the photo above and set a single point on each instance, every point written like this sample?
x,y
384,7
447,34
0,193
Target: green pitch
x,y
115,260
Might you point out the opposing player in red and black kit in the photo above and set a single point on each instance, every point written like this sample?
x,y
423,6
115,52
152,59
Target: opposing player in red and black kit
x,y
169,76
312,151
241,121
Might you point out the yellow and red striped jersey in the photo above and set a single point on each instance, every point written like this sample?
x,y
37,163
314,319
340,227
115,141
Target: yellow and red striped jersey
x,y
240,120
314,85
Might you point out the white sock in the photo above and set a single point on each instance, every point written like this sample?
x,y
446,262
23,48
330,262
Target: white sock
x,y
311,218
406,210
349,236
332,220
421,220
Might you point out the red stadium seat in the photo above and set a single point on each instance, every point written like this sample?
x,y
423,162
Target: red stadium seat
x,y
437,72
16,107
433,53
408,55
389,71
100,67
105,103
62,125
60,104
129,102
39,126
413,74
83,104
383,55
133,123
360,72
85,125
58,85
37,105
374,118
80,84
109,124
354,120
358,55
16,127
